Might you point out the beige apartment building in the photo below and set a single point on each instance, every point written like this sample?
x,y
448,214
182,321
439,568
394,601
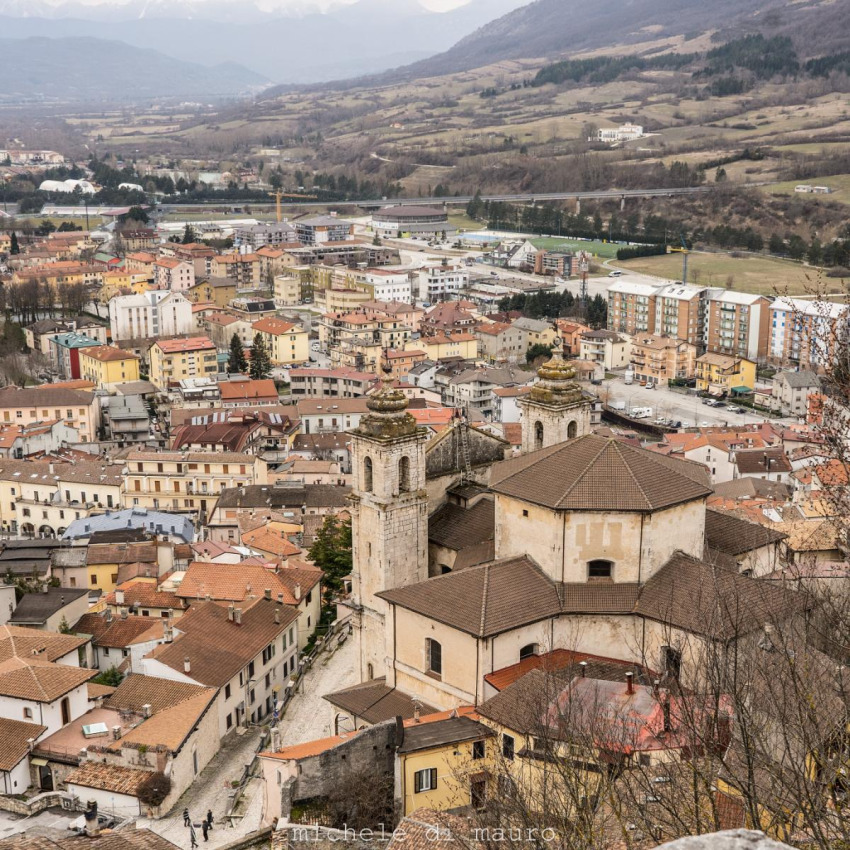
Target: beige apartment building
x,y
680,312
187,482
660,358
76,408
631,308
738,324
288,344
363,325
243,269
174,360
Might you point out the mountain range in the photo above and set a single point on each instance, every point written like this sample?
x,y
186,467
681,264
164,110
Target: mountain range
x,y
362,37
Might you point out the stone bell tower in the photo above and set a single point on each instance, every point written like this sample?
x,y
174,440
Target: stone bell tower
x,y
556,409
389,516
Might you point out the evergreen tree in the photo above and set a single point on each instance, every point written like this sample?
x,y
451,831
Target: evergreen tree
x,y
261,364
237,362
331,551
776,244
188,234
15,248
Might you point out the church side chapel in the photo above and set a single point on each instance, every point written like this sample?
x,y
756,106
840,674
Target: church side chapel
x,y
581,543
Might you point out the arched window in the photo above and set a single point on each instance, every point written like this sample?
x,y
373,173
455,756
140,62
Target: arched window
x,y
572,430
434,656
600,569
404,474
367,474
538,435
370,672
528,651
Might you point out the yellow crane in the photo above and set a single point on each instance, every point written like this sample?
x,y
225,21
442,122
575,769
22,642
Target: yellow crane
x,y
277,196
281,194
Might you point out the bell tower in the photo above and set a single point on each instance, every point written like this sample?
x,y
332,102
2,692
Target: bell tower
x,y
555,410
389,517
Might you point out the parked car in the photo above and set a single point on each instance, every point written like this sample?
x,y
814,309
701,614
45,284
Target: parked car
x,y
615,273
650,385
733,408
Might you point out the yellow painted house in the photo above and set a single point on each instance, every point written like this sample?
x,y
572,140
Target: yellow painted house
x,y
441,345
173,360
721,373
287,343
107,366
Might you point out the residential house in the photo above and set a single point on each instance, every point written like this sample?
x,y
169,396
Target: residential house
x,y
196,253
607,349
537,332
330,383
571,334
218,290
804,333
107,366
173,274
661,359
246,653
288,344
442,346
220,328
176,359
65,350
154,314
791,391
447,317
52,609
500,342
722,375
244,392
505,407
440,282
318,415
401,362
242,269
39,438
323,229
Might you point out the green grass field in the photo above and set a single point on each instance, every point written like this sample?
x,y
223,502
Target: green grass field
x,y
605,250
757,274
839,183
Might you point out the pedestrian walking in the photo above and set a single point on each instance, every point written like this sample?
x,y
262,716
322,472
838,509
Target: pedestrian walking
x,y
205,828
187,821
193,838
210,817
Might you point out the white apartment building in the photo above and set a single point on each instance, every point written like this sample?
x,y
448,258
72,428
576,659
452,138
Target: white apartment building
x,y
389,284
806,332
440,283
154,314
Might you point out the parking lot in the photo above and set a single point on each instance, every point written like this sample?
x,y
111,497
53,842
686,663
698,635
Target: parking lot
x,y
673,405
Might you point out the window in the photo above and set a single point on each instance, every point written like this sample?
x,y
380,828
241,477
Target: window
x,y
425,780
228,721
93,578
671,661
538,435
478,793
529,650
434,656
404,475
508,747
600,569
367,475
572,430
27,713
478,749
227,691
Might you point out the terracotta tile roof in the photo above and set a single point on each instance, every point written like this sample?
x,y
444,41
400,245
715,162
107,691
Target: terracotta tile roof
x,y
242,582
457,528
484,600
20,641
375,701
271,325
235,390
593,473
195,343
145,594
108,777
125,553
40,680
96,691
441,733
176,709
309,748
512,432
217,648
264,540
760,461
704,599
734,536
107,354
14,735
595,667
126,839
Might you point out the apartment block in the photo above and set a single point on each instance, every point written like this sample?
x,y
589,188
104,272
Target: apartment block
x,y
806,333
662,358
680,312
738,324
187,482
174,360
631,308
153,314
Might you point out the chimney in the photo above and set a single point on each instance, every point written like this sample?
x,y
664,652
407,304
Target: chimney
x,y
146,710
297,592
116,733
280,598
582,668
268,593
237,616
230,610
630,687
187,665
275,739
416,708
277,616
92,823
30,744
108,615
123,613
119,597
168,633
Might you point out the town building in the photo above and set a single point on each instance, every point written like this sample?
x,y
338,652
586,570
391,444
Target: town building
x,y
680,311
287,343
722,375
738,324
154,314
78,409
323,229
791,391
404,222
242,269
65,350
272,233
631,308
805,333
107,366
661,359
330,383
443,346
440,282
173,274
500,342
214,290
448,317
176,359
606,349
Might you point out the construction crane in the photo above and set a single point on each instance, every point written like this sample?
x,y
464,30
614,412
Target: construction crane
x,y
277,195
684,251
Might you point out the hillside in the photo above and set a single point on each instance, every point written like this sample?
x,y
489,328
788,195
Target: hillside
x,y
549,28
90,69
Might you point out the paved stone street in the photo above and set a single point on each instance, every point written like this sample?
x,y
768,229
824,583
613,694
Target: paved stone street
x,y
210,791
308,716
